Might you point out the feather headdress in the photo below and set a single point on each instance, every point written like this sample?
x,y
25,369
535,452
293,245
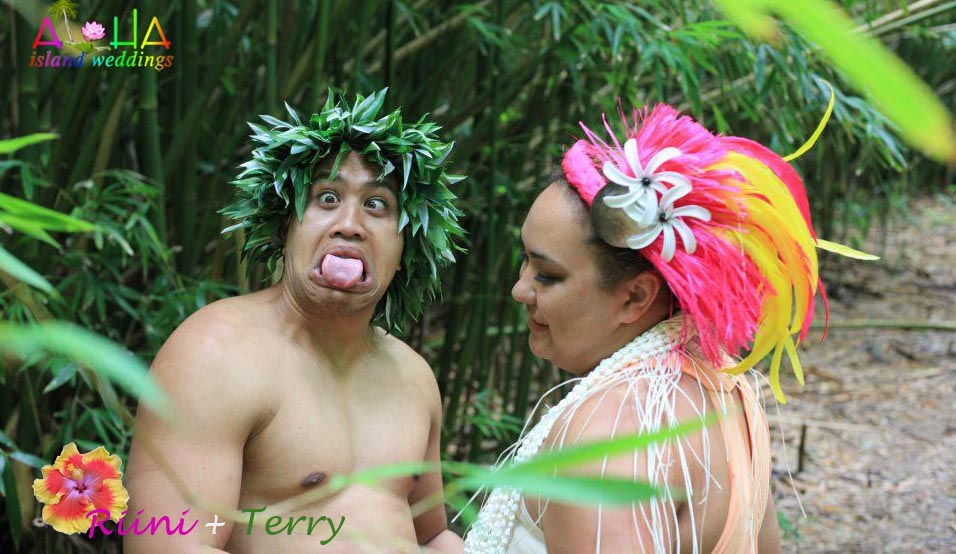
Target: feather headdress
x,y
724,220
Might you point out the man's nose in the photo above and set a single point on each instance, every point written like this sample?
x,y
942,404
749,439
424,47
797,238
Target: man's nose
x,y
350,222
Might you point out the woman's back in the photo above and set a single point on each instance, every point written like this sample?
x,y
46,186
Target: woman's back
x,y
726,487
713,491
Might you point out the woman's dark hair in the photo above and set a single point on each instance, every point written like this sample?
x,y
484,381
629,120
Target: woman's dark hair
x,y
617,264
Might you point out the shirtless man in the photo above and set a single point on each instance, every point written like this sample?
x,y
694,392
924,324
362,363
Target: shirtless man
x,y
279,390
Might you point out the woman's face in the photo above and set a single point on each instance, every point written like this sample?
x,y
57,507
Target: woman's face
x,y
573,322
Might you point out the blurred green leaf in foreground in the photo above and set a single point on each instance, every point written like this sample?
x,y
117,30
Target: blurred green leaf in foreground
x,y
885,80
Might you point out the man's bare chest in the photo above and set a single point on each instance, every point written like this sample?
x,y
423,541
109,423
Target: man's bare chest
x,y
319,428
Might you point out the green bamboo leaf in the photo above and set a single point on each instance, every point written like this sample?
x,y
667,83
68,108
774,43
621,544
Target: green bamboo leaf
x,y
12,502
28,227
576,490
62,376
7,442
537,476
392,471
48,219
28,459
89,350
22,272
10,146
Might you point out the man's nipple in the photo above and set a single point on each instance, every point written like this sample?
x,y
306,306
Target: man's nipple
x,y
313,479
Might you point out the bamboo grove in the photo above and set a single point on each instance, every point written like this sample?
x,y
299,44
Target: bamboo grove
x,y
147,155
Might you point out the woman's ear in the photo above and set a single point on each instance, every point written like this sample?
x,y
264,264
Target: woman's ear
x,y
641,294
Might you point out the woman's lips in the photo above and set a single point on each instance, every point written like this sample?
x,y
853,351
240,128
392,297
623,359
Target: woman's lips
x,y
536,327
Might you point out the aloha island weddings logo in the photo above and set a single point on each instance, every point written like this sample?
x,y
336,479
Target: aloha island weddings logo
x,y
81,492
51,51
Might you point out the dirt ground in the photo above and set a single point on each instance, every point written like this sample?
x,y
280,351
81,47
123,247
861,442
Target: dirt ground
x,y
878,413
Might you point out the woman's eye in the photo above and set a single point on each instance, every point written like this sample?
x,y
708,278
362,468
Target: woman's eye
x,y
376,203
327,197
545,279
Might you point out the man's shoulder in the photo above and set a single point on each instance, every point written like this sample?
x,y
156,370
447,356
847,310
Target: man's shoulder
x,y
411,363
214,337
210,371
222,322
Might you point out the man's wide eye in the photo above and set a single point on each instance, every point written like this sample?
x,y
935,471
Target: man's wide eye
x,y
376,203
327,197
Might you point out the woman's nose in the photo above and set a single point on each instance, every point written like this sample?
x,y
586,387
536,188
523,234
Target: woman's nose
x,y
522,291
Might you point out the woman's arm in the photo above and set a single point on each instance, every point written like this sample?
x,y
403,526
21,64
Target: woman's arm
x,y
768,541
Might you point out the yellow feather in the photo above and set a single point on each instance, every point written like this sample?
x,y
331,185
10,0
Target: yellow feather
x,y
794,360
777,240
844,250
775,375
817,132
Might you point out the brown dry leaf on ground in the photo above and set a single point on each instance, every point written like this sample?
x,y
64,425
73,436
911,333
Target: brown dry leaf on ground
x,y
878,412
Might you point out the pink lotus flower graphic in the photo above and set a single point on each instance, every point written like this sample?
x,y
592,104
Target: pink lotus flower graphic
x,y
93,31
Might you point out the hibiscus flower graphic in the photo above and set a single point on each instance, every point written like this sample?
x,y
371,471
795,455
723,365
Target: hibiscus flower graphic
x,y
77,484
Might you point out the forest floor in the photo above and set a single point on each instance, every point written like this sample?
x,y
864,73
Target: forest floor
x,y
878,413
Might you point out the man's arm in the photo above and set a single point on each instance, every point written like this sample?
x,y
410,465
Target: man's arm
x,y
431,527
212,416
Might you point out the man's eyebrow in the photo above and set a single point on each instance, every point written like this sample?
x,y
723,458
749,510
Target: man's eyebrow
x,y
323,175
384,183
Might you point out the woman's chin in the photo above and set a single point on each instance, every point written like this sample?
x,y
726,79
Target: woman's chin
x,y
541,347
534,343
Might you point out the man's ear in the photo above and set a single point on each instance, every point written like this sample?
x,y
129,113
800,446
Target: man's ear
x,y
641,293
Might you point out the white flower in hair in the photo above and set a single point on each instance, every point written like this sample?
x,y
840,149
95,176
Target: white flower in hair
x,y
640,200
668,220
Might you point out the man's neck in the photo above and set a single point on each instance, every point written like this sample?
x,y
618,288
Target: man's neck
x,y
339,337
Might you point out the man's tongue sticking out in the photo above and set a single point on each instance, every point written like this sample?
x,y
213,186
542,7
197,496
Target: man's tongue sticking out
x,y
342,273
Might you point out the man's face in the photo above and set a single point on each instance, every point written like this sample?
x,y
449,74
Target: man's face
x,y
347,248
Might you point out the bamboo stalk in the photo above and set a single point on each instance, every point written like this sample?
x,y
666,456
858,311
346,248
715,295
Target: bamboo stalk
x,y
84,160
454,318
271,55
182,133
27,95
914,18
388,67
187,197
488,280
150,144
410,48
210,222
896,14
108,136
365,11
321,42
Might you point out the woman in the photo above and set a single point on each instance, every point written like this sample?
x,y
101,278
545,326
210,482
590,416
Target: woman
x,y
648,265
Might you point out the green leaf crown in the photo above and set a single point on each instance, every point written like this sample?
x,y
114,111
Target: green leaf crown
x,y
279,176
